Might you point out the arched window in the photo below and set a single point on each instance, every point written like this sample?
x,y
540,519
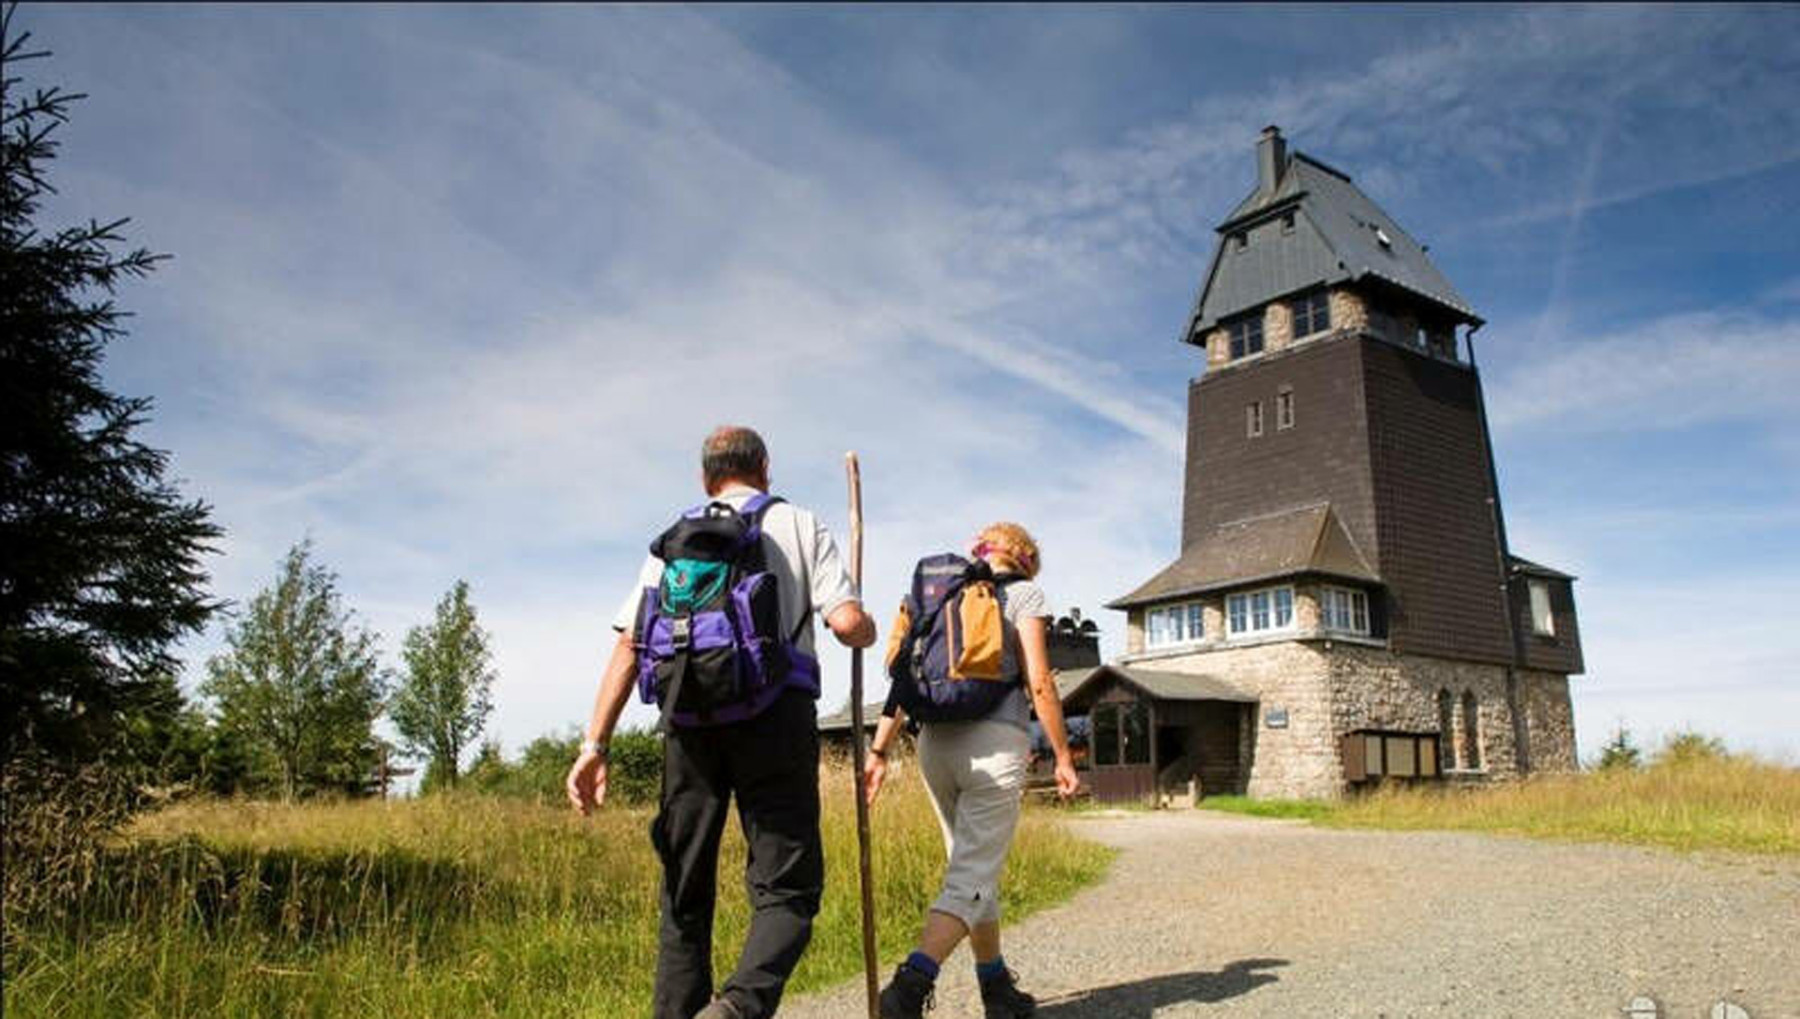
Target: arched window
x,y
1446,705
1471,731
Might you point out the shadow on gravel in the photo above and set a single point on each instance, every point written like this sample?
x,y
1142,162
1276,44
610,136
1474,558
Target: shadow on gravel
x,y
1140,999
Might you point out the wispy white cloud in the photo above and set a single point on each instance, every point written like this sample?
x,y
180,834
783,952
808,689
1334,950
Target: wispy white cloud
x,y
461,302
1667,373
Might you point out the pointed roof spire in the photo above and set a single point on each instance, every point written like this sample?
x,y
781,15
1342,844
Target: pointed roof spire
x,y
1330,233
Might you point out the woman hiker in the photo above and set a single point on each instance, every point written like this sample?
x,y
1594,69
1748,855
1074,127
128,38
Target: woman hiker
x,y
975,773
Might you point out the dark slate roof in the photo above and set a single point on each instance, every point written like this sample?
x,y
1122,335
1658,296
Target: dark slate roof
x,y
1334,240
1309,539
1520,564
1167,686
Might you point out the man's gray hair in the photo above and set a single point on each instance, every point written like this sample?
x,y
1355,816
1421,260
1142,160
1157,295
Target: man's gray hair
x,y
732,452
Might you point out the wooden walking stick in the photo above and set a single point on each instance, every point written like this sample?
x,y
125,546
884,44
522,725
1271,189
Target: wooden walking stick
x,y
856,745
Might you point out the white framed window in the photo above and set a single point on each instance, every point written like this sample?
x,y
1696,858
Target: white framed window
x,y
1345,610
1543,621
1312,314
1246,335
1253,419
1167,625
1284,408
1265,611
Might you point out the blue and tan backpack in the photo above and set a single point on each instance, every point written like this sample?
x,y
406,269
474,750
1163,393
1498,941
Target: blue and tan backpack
x,y
711,647
952,655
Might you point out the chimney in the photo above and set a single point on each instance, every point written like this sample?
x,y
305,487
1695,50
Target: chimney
x,y
1271,160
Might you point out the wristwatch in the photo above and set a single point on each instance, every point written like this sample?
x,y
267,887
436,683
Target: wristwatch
x,y
597,747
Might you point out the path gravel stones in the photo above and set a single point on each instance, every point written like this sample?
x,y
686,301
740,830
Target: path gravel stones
x,y
1210,914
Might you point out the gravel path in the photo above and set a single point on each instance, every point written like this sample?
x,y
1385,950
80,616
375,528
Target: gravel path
x,y
1210,914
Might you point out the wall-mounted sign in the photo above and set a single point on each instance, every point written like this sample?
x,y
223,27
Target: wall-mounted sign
x,y
1275,718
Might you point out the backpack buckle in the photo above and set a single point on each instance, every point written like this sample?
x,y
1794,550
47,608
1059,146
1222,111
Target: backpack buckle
x,y
680,632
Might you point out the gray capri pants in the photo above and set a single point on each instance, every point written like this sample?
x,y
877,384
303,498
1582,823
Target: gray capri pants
x,y
975,773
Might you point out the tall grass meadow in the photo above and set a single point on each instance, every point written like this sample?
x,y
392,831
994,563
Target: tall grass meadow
x,y
458,903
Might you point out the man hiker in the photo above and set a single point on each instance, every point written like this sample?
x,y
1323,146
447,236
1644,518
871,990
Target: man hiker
x,y
718,633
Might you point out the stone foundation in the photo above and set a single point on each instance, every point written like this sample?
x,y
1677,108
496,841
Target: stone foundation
x,y
1332,687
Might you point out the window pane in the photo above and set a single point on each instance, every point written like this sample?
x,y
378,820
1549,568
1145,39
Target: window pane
x,y
1136,718
1400,757
1359,612
1372,754
1284,607
1238,608
1542,621
1259,610
1105,735
1196,628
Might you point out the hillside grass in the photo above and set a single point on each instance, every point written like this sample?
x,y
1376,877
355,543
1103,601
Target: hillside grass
x,y
449,905
1729,803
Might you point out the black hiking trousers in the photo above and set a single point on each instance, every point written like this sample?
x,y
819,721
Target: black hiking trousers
x,y
771,764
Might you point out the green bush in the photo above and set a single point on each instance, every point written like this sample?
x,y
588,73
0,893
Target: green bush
x,y
539,773
1684,748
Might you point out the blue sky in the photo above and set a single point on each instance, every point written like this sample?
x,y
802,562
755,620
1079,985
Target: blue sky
x,y
457,290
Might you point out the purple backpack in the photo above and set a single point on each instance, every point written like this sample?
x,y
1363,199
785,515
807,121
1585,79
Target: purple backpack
x,y
711,648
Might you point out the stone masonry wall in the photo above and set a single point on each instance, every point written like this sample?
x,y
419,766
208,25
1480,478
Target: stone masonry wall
x,y
1544,698
1377,689
1329,688
1348,310
1278,325
1300,760
1218,348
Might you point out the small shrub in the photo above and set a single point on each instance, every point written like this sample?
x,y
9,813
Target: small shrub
x,y
542,767
1688,748
636,773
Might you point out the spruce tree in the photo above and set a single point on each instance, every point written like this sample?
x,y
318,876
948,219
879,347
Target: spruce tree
x,y
100,553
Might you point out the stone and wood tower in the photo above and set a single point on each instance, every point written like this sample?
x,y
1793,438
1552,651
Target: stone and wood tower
x,y
1345,606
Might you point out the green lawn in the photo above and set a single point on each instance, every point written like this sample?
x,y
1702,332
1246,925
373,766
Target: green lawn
x,y
455,905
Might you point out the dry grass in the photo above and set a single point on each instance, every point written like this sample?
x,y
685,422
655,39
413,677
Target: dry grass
x,y
1737,804
444,906
1717,802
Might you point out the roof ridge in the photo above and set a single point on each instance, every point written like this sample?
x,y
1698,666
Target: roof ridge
x,y
1320,163
1351,538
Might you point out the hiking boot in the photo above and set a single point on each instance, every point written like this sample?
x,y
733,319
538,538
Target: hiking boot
x,y
907,996
719,1009
1002,999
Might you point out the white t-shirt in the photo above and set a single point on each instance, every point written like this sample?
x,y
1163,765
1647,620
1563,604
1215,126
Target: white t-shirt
x,y
1024,600
809,573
